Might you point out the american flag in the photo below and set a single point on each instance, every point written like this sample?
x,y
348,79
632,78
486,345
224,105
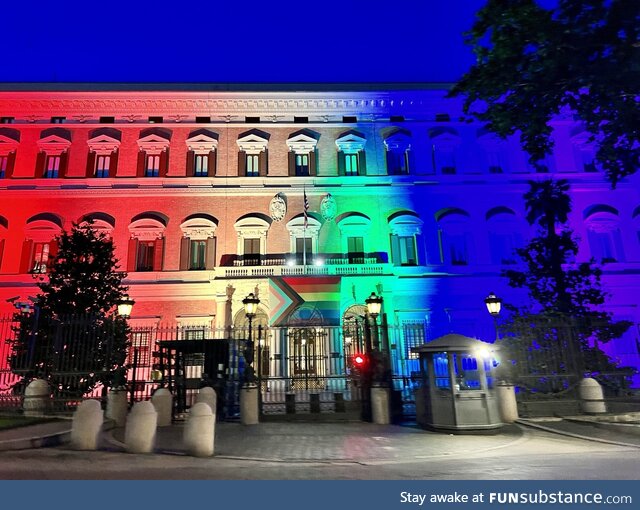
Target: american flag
x,y
305,208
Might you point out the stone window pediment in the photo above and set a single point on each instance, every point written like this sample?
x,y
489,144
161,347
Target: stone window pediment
x,y
351,143
445,140
297,228
103,145
198,229
252,143
147,229
202,143
53,145
355,226
301,144
400,142
405,225
153,144
7,145
41,231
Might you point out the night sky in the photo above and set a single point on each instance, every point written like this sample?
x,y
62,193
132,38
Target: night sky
x,y
236,42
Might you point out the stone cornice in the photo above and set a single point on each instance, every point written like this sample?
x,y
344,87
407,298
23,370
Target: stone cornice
x,y
224,105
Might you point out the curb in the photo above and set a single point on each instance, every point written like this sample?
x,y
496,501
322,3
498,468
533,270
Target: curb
x,y
57,439
526,423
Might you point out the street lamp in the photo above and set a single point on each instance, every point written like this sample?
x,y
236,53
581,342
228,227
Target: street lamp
x,y
374,305
494,305
250,303
125,305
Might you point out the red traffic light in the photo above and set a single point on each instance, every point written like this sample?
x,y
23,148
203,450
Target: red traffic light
x,y
359,360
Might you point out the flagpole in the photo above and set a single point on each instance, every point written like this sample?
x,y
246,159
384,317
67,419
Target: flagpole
x,y
304,231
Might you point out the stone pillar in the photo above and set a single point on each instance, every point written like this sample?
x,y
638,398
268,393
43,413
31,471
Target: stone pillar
x,y
592,397
87,425
249,412
380,412
199,433
140,432
507,404
162,401
207,395
37,397
117,406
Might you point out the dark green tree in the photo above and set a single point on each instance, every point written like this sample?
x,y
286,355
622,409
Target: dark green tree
x,y
74,338
565,314
535,63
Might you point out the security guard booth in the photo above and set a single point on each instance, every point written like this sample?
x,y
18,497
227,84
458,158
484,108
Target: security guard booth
x,y
458,392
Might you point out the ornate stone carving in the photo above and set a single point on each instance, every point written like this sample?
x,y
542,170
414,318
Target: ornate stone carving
x,y
277,208
328,207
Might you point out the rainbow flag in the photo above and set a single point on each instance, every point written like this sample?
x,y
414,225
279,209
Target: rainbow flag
x,y
312,299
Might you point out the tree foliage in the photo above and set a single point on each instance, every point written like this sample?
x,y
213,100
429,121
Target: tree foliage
x,y
74,338
534,63
565,309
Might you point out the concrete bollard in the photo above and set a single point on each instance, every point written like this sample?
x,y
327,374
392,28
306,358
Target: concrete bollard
x,y
37,397
507,404
380,412
199,433
207,395
591,396
162,400
140,432
249,413
87,425
117,407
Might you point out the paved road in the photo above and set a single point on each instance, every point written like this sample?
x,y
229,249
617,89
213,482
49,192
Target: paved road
x,y
312,454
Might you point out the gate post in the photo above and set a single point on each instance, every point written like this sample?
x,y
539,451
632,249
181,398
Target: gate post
x,y
380,405
249,412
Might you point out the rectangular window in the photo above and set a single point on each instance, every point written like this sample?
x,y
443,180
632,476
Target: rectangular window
x,y
351,164
458,250
40,257
201,165
403,250
51,167
302,164
252,252
152,168
253,162
58,120
355,248
102,166
140,351
303,250
7,120
144,258
107,120
4,161
197,255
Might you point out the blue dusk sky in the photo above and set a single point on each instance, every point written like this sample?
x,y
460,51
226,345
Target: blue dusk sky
x,y
248,41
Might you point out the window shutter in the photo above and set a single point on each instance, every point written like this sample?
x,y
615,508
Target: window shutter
x,y
242,163
142,157
158,252
64,163
25,257
185,243
53,252
292,163
210,260
341,163
211,169
312,162
113,164
132,255
40,161
362,162
191,157
164,163
11,161
395,251
1,251
263,163
91,164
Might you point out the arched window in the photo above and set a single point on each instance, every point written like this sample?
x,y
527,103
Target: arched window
x,y
153,156
198,245
53,154
104,145
444,148
494,152
303,239
146,245
302,153
100,222
40,245
253,158
505,235
252,239
603,233
454,230
405,231
9,140
202,147
354,229
398,153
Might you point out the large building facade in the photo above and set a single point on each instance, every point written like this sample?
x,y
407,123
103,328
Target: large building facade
x,y
311,200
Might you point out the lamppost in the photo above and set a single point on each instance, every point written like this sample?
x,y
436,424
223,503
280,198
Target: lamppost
x,y
374,305
123,309
250,303
494,304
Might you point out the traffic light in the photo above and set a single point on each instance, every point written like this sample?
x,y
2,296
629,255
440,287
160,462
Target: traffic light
x,y
359,363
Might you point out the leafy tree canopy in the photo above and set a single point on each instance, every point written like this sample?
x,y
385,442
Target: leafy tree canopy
x,y
579,56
